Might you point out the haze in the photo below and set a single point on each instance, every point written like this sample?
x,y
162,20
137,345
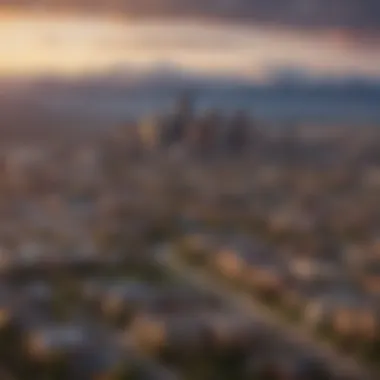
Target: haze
x,y
36,45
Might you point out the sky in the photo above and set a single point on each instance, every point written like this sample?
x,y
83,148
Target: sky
x,y
38,45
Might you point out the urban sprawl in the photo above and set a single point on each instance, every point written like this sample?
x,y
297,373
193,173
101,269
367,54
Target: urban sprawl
x,y
194,246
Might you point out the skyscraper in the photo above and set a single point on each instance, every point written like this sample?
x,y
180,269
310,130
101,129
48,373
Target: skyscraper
x,y
177,125
238,133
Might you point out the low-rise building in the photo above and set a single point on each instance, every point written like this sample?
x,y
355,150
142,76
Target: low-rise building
x,y
52,340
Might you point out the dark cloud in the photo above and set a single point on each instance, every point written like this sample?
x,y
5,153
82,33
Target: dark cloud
x,y
358,14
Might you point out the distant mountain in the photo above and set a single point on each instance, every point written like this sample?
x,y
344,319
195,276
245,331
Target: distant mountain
x,y
357,14
173,79
101,101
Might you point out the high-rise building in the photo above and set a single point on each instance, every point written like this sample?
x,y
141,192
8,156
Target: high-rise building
x,y
149,132
177,125
238,133
202,134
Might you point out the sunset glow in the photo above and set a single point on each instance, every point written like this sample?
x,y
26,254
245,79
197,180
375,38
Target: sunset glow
x,y
73,45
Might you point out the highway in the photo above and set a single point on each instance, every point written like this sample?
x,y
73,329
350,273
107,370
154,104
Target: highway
x,y
297,336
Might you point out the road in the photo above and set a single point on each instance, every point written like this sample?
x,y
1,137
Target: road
x,y
120,345
298,336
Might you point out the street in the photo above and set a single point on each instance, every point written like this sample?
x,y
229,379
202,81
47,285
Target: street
x,y
297,336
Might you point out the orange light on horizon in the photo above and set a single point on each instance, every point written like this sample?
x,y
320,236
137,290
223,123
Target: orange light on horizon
x,y
44,43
